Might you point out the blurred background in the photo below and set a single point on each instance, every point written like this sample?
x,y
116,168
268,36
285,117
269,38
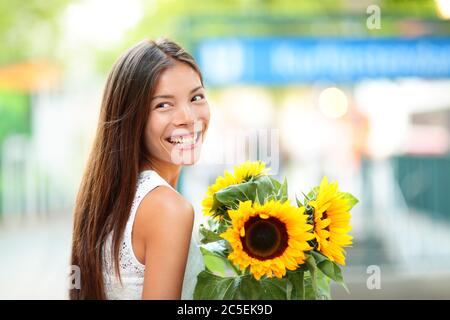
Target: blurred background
x,y
357,90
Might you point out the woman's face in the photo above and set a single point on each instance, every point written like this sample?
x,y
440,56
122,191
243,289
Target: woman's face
x,y
178,117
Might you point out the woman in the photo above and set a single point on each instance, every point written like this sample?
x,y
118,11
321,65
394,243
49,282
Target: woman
x,y
132,229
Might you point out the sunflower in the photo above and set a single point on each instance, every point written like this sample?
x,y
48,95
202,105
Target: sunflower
x,y
242,173
269,238
331,221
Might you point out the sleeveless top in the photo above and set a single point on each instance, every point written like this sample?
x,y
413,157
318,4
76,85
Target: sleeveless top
x,y
131,270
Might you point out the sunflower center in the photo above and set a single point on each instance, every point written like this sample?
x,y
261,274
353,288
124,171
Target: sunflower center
x,y
264,238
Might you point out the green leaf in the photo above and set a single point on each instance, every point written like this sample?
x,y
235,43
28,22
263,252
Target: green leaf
x,y
215,258
289,288
352,200
296,278
208,235
332,270
213,287
329,268
274,288
262,188
215,264
312,195
322,286
257,197
318,257
274,183
312,267
282,193
299,203
308,288
229,197
249,288
269,188
218,248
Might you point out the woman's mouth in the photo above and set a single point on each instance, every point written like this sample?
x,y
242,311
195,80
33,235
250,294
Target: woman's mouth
x,y
185,142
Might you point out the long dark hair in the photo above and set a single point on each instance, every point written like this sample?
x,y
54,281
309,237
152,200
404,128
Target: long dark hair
x,y
108,185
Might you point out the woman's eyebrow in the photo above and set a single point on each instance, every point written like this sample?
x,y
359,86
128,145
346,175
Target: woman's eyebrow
x,y
168,96
163,97
195,89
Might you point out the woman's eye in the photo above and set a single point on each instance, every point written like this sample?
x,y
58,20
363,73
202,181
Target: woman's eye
x,y
198,97
162,105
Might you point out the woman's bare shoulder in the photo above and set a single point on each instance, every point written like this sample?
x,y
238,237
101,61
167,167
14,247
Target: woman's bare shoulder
x,y
163,207
167,200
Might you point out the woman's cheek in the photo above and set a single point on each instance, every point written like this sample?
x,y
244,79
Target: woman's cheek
x,y
152,134
206,114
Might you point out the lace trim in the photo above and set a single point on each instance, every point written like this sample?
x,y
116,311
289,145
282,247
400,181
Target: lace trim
x,y
128,263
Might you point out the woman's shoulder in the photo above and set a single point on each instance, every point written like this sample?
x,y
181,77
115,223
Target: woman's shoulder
x,y
167,200
156,193
164,207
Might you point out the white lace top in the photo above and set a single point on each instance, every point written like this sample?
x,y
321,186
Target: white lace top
x,y
131,270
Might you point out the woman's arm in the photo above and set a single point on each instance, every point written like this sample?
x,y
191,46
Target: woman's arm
x,y
167,219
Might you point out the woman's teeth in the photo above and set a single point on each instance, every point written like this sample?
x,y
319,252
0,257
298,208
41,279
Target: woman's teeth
x,y
185,140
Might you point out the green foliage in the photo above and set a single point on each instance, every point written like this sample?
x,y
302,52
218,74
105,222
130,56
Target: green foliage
x,y
310,281
275,289
15,119
318,291
215,258
29,28
190,21
33,27
208,235
213,287
263,188
14,112
296,278
312,195
313,284
350,198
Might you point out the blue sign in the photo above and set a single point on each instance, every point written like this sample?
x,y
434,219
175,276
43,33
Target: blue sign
x,y
274,61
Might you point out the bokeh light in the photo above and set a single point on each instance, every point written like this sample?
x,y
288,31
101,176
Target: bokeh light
x,y
333,102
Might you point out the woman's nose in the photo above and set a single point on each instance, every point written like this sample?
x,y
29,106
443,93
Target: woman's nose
x,y
185,115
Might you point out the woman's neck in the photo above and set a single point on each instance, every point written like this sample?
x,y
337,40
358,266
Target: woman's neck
x,y
168,171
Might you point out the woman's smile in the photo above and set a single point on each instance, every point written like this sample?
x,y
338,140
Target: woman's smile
x,y
185,142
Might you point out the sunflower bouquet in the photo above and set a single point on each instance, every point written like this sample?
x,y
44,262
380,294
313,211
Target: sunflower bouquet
x,y
256,244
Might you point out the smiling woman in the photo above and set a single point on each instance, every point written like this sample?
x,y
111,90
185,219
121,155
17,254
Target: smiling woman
x,y
132,228
179,99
